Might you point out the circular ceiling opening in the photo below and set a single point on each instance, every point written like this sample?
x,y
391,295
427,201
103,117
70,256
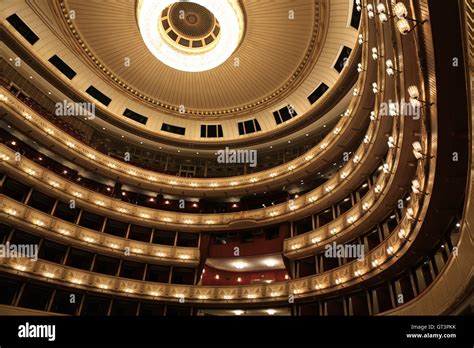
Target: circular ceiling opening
x,y
191,36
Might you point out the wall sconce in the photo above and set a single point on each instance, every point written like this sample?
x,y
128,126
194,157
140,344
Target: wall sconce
x,y
415,187
375,87
381,10
375,53
401,13
418,151
390,68
391,142
370,11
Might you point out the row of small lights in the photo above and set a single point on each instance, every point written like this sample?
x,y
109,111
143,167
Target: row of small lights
x,y
414,94
123,210
400,15
92,240
376,263
365,206
350,220
152,178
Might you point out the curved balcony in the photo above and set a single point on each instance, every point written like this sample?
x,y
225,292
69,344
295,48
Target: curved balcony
x,y
37,222
350,274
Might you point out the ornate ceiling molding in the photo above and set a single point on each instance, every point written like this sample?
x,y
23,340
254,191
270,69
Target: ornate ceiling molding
x,y
305,66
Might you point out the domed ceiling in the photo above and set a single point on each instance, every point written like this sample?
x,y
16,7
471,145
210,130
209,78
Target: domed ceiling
x,y
278,44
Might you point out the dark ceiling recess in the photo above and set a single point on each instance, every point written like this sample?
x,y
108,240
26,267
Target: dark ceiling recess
x,y
62,67
355,20
173,129
248,127
343,58
318,93
211,131
23,29
135,116
94,92
284,114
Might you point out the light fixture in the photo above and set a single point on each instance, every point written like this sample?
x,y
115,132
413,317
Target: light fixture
x,y
229,18
390,68
370,11
89,239
382,12
375,53
11,211
48,274
415,186
375,88
271,311
414,94
238,312
402,233
381,8
400,10
351,219
270,263
418,150
403,26
391,142
239,265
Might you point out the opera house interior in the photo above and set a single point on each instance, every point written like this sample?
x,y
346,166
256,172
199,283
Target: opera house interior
x,y
236,158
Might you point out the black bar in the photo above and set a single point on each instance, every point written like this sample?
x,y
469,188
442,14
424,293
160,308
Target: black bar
x,y
291,331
